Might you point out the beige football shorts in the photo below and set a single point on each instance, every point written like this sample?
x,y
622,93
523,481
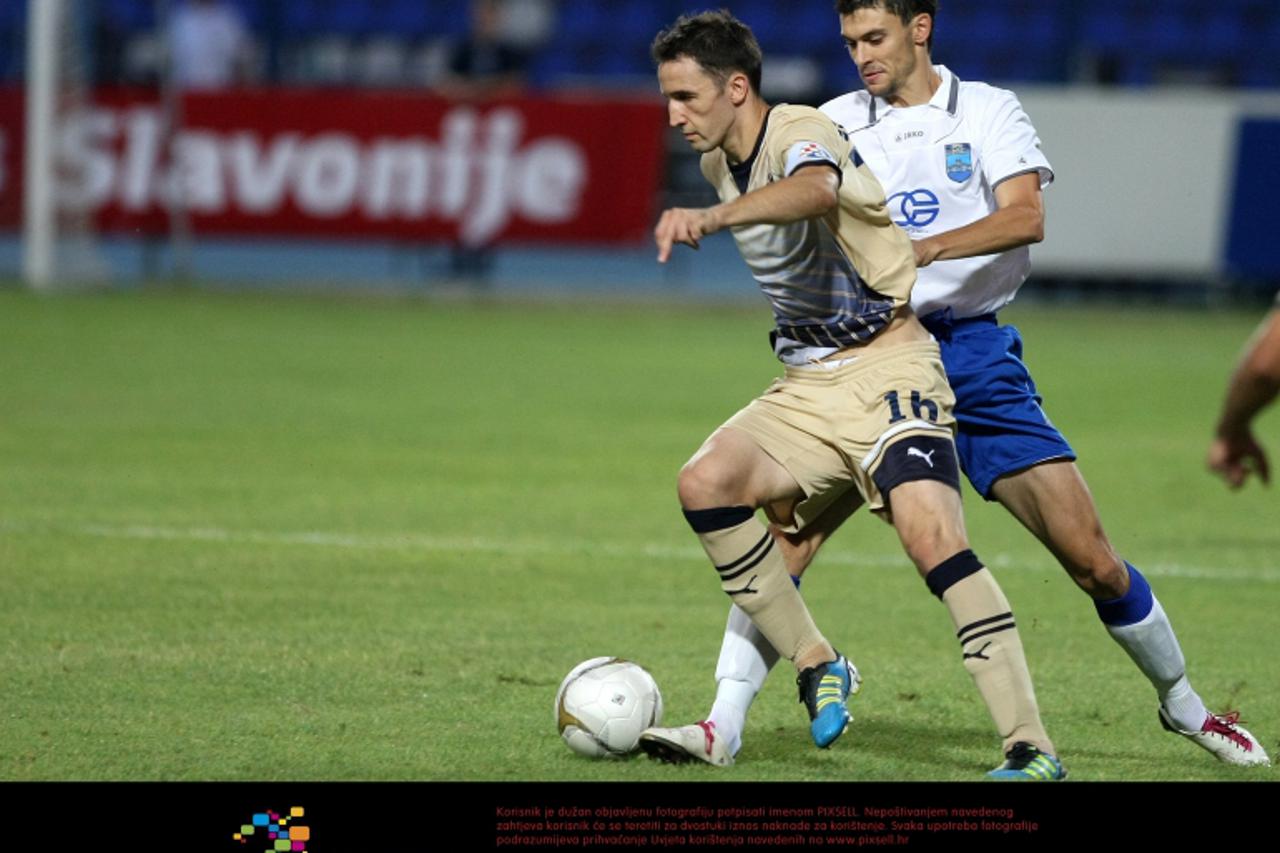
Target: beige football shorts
x,y
844,427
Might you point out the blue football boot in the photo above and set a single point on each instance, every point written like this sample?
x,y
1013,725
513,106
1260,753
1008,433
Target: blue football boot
x,y
824,690
1025,763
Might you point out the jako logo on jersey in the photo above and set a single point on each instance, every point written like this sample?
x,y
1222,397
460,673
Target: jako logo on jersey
x,y
918,208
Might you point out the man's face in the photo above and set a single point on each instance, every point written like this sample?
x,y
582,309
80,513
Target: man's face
x,y
697,103
882,48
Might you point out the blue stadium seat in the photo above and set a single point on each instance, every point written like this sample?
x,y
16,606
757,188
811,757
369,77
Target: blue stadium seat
x,y
550,67
764,17
583,21
447,19
1223,36
969,63
130,15
805,27
1260,73
253,13
1106,28
840,74
631,63
13,38
302,18
1045,28
349,18
1137,72
13,15
1171,33
634,21
990,28
409,19
1270,42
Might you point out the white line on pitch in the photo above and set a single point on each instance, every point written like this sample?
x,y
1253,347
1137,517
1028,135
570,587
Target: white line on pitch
x,y
525,547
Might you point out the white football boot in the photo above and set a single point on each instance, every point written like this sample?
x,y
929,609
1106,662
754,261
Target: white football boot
x,y
697,742
1223,736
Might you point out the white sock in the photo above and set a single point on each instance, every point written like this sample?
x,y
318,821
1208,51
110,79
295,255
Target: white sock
x,y
1184,706
745,659
1154,648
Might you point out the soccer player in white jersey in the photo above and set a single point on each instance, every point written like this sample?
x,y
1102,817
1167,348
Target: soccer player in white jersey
x,y
863,407
963,172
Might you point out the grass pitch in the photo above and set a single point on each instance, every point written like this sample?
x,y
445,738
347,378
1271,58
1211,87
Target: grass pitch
x,y
245,537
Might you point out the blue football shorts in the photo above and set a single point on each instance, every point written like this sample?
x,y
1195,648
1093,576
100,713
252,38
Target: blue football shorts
x,y
1001,428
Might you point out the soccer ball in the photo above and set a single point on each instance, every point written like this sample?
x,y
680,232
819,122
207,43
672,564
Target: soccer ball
x,y
604,704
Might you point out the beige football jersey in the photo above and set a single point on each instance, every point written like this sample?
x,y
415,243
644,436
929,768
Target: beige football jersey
x,y
832,281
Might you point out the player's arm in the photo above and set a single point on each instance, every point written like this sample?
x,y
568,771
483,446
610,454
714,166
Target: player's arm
x,y
1234,452
810,192
1017,221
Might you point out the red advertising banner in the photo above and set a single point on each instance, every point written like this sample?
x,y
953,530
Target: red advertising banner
x,y
11,142
351,164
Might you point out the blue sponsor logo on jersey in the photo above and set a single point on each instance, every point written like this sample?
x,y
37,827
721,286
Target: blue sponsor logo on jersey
x,y
960,162
917,208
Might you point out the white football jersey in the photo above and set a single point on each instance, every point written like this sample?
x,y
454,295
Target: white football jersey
x,y
940,163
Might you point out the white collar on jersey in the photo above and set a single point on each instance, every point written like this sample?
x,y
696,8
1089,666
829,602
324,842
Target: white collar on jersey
x,y
946,98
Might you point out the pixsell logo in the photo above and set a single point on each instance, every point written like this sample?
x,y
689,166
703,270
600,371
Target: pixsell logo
x,y
273,833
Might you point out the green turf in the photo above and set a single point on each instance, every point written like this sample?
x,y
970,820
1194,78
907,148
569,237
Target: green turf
x,y
245,537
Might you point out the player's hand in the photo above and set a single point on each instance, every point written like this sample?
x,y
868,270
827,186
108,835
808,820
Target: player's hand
x,y
1235,457
926,252
685,225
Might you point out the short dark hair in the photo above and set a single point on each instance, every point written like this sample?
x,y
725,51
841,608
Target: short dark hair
x,y
904,9
717,41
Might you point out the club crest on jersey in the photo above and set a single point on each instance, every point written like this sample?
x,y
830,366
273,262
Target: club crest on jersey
x,y
960,162
813,151
807,152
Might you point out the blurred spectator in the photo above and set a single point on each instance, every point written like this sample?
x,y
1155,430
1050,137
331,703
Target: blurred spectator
x,y
1234,453
491,62
209,45
488,62
527,24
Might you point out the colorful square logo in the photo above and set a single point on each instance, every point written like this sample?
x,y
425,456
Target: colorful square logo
x,y
275,833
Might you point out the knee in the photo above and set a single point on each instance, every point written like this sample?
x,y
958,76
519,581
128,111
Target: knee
x,y
1097,569
929,549
929,540
705,484
930,522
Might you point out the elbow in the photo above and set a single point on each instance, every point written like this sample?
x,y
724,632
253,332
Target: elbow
x,y
826,200
1262,358
829,208
1262,372
822,191
1023,224
1035,229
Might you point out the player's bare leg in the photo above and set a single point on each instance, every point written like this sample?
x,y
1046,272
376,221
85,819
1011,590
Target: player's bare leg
x,y
720,489
745,655
1054,503
929,520
799,549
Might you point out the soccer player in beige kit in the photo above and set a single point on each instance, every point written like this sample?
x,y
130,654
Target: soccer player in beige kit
x,y
963,170
863,405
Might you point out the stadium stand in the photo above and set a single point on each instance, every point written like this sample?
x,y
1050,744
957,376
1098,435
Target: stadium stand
x,y
389,42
